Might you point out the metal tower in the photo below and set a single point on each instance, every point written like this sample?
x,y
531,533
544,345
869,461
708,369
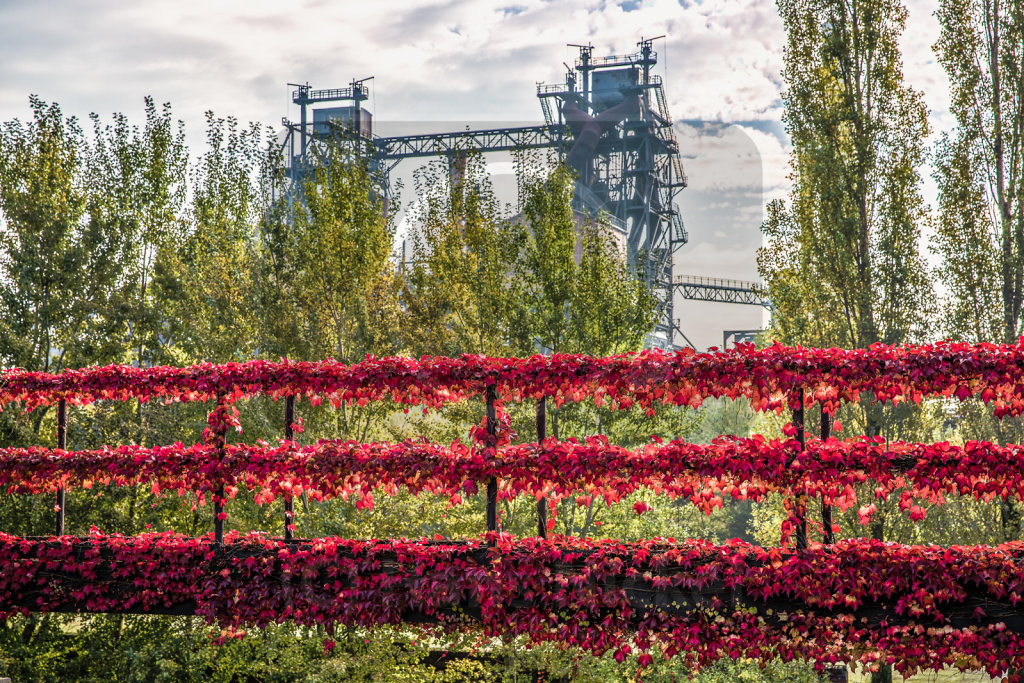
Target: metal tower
x,y
303,140
627,157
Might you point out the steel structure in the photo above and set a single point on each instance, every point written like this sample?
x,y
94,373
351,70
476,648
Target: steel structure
x,y
492,140
388,151
721,291
303,140
627,157
610,120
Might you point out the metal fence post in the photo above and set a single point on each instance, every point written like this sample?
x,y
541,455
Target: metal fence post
x,y
62,444
218,504
289,503
492,483
542,432
828,536
800,500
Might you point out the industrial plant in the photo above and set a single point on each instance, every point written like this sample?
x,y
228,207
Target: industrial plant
x,y
609,121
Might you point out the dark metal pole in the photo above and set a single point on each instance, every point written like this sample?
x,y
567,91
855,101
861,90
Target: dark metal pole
x,y
542,432
62,444
800,500
492,483
836,674
289,504
829,536
218,503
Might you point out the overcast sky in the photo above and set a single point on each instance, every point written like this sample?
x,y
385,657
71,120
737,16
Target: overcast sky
x,y
460,62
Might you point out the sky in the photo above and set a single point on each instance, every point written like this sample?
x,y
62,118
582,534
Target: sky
x,y
456,63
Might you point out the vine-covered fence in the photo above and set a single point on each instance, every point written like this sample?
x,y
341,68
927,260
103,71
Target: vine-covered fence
x,y
816,598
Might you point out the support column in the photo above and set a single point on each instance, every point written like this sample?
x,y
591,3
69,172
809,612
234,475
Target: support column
x,y
62,444
289,503
800,500
828,536
492,483
542,432
218,503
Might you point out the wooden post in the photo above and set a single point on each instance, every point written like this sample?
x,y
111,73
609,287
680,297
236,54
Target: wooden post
x,y
289,504
800,500
542,432
492,483
62,444
829,536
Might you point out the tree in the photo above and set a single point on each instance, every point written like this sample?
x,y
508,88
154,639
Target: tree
x,y
204,275
980,169
979,231
579,293
326,261
841,262
461,292
137,186
61,262
541,279
43,202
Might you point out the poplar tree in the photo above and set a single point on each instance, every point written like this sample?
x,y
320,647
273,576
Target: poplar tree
x,y
980,169
841,260
579,292
137,185
203,275
979,231
329,288
460,293
43,204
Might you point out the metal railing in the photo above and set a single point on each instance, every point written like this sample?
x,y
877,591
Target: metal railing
x,y
331,93
551,88
611,60
718,282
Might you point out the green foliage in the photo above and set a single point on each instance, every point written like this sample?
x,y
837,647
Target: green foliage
x,y
841,261
204,277
980,169
579,292
45,246
979,230
136,196
461,295
329,265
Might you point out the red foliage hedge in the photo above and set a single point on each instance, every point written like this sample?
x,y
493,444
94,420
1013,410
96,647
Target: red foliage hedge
x,y
913,606
770,378
744,468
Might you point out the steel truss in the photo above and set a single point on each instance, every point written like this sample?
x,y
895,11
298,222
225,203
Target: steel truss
x,y
721,291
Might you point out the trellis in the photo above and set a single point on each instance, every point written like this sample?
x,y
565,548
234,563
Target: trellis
x,y
994,376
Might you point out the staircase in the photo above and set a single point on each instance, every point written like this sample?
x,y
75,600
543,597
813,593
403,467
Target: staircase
x,y
659,95
549,116
679,234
